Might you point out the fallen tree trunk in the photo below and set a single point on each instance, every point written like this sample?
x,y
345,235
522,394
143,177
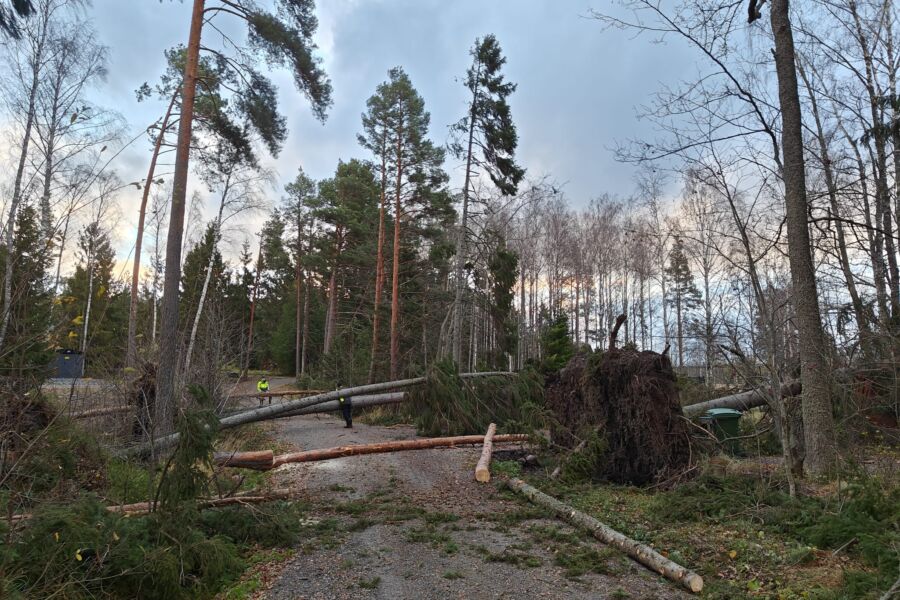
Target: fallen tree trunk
x,y
643,554
358,402
483,468
398,446
143,508
100,412
268,412
260,461
277,394
741,401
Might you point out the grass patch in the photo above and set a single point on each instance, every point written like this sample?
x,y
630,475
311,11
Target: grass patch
x,y
453,575
507,468
370,584
580,560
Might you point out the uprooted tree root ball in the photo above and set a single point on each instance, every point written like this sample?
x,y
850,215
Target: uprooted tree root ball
x,y
628,399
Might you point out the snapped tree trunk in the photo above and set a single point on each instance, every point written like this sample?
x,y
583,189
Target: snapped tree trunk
x,y
167,374
817,416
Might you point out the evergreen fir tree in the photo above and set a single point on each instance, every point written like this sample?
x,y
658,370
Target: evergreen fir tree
x,y
684,295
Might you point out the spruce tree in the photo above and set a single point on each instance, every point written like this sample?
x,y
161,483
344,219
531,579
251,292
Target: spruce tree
x,y
25,358
486,139
685,296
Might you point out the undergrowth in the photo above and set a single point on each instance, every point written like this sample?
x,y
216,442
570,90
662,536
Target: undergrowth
x,y
76,548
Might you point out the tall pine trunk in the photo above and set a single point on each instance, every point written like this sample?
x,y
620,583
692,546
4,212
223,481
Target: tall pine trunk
x,y
131,348
167,375
395,282
379,261
818,422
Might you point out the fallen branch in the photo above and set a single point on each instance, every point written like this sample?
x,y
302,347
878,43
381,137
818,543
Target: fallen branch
x,y
643,554
397,446
268,412
556,472
483,468
100,412
143,508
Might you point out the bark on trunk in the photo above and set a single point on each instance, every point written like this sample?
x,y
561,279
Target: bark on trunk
x,y
483,468
741,401
645,555
399,446
260,460
131,348
253,298
379,261
395,280
167,380
817,417
456,324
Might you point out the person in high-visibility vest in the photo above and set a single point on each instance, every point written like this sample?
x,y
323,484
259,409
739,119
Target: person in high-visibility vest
x,y
346,404
262,386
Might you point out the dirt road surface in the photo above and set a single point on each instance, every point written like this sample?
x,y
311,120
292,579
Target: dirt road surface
x,y
416,525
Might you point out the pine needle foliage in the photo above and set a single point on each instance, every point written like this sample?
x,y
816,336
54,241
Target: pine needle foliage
x,y
449,405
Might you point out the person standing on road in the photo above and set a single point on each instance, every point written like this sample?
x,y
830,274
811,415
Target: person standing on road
x,y
262,386
346,404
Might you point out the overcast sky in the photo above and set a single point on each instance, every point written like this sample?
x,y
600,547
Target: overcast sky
x,y
577,84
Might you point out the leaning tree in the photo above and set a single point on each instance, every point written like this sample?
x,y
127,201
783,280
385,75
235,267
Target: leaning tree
x,y
282,38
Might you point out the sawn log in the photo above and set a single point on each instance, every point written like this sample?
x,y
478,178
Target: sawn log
x,y
643,554
398,446
483,468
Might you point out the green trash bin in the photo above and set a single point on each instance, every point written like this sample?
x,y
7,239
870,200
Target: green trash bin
x,y
725,425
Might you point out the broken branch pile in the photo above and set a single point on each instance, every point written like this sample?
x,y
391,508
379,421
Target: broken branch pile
x,y
630,400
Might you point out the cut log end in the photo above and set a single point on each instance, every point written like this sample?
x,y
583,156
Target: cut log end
x,y
483,468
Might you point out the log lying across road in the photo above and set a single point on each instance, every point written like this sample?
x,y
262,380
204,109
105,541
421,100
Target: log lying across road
x,y
358,402
483,468
256,460
269,412
741,401
645,555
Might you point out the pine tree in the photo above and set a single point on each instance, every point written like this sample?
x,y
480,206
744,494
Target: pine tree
x,y
396,130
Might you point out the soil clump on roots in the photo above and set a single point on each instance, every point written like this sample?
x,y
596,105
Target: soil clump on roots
x,y
628,402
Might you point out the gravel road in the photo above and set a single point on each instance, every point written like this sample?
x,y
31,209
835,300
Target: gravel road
x,y
456,546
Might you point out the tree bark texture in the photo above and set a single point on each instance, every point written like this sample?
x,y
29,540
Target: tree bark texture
x,y
483,468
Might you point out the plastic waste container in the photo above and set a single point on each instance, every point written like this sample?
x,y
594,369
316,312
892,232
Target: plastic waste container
x,y
724,423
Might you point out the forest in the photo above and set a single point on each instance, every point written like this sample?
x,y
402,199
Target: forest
x,y
752,265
